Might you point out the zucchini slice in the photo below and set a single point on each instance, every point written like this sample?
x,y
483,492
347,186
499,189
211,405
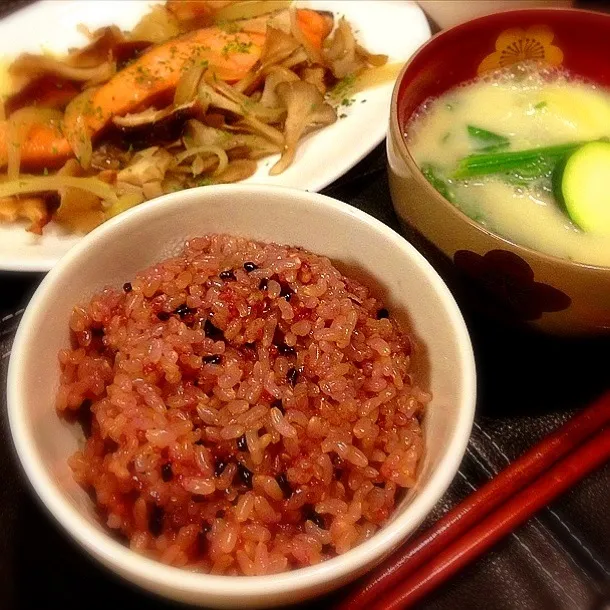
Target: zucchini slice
x,y
585,187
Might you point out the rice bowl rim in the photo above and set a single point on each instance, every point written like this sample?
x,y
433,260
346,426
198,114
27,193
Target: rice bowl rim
x,y
143,570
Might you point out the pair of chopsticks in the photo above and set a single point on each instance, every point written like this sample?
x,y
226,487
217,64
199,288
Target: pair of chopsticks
x,y
531,482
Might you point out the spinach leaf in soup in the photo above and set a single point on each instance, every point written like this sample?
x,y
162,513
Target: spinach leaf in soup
x,y
487,141
433,175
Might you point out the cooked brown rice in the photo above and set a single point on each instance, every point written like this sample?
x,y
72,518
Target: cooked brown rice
x,y
247,408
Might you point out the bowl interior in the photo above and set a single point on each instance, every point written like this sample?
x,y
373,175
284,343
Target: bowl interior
x,y
456,55
113,254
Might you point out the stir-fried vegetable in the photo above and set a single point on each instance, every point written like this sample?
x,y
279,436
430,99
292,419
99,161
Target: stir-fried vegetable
x,y
195,94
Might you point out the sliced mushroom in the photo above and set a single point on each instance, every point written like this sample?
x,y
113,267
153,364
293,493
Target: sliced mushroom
x,y
307,111
345,56
247,106
152,126
275,76
203,135
148,165
278,47
315,76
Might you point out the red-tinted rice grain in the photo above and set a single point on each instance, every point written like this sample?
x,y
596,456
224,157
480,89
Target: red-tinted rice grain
x,y
252,410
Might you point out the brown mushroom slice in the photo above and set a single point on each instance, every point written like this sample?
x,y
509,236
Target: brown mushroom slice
x,y
297,58
152,126
151,115
315,75
108,157
203,135
307,110
237,170
248,106
148,165
278,47
341,54
252,125
209,97
275,76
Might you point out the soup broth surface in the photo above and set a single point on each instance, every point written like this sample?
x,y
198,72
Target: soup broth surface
x,y
532,107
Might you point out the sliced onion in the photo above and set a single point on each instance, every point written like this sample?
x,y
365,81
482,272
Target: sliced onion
x,y
124,202
223,160
40,184
250,9
75,126
18,127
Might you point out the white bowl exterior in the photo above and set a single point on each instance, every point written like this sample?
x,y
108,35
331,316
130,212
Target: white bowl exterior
x,y
359,245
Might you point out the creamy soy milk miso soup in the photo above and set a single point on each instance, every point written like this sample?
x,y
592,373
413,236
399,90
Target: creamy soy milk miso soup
x,y
525,152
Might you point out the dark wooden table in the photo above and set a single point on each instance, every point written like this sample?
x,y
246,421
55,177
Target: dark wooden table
x,y
528,385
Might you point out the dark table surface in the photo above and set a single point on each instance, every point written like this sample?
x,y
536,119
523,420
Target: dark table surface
x,y
528,385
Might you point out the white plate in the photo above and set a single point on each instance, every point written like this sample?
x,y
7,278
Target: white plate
x,y
393,27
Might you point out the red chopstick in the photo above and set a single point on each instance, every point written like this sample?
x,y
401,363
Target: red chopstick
x,y
470,512
509,516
